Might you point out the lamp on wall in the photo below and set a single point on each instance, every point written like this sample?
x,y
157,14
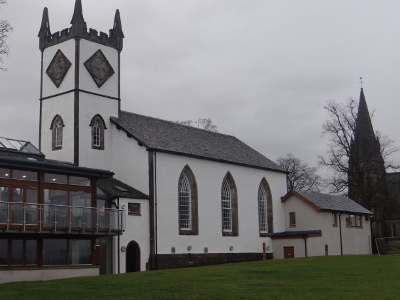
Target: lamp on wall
x,y
231,248
123,249
189,248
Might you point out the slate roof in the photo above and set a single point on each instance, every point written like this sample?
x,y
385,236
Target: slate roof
x,y
180,139
115,188
329,202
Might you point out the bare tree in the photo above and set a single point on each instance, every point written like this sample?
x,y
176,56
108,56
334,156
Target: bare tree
x,y
203,123
340,129
5,30
301,176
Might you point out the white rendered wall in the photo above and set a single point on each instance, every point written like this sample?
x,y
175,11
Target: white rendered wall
x,y
86,82
89,106
62,105
49,88
209,176
129,161
138,230
355,240
297,243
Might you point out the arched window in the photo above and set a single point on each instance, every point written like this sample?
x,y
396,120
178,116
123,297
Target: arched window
x,y
98,127
229,207
188,206
57,132
265,208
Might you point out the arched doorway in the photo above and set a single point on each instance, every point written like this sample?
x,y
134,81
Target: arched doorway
x,y
132,257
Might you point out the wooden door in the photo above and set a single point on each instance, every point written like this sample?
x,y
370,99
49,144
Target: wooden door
x,y
288,252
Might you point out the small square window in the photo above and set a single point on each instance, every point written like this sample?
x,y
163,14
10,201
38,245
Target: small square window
x,y
134,209
292,218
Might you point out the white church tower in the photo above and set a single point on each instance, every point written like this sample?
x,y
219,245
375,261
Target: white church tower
x,y
79,91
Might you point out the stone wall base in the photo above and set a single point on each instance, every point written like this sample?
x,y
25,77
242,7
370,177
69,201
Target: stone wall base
x,y
170,261
46,273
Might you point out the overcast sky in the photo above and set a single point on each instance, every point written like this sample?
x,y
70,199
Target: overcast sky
x,y
262,70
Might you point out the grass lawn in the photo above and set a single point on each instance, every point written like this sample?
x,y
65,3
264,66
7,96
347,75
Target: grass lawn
x,y
333,277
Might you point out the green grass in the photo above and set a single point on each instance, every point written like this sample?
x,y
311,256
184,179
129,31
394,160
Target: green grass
x,y
333,277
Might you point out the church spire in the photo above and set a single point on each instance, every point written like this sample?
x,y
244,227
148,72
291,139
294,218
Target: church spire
x,y
44,31
117,32
78,22
364,127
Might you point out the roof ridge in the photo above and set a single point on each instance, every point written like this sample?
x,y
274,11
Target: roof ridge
x,y
175,123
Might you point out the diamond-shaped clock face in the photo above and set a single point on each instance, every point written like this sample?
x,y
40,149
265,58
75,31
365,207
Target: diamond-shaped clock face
x,y
58,68
99,68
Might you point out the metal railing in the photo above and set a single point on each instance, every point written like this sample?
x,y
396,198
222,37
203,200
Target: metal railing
x,y
44,217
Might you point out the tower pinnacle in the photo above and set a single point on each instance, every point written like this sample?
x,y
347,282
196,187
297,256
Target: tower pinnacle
x,y
117,32
78,22
44,31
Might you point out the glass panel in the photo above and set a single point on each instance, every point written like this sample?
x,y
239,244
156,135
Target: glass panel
x,y
55,252
55,210
17,252
6,143
25,175
106,255
17,144
4,194
80,252
4,173
101,194
31,252
81,212
3,213
103,217
56,178
17,206
31,209
76,180
29,148
3,204
3,252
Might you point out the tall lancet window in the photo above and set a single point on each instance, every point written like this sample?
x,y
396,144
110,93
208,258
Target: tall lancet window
x,y
59,127
96,134
185,215
229,207
57,132
264,208
226,207
98,127
188,206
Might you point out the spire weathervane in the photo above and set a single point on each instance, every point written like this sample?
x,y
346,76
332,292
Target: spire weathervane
x,y
361,82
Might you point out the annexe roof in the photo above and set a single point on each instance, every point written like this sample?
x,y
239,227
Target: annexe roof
x,y
328,202
115,188
296,234
171,137
11,157
18,145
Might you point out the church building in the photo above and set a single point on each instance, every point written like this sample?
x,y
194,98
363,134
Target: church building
x,y
206,197
179,196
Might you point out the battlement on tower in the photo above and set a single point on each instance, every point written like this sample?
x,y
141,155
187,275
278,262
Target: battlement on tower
x,y
79,30
92,35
